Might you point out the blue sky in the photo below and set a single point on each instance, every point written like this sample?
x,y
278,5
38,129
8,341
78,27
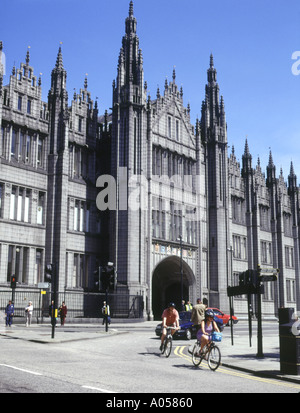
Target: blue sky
x,y
252,42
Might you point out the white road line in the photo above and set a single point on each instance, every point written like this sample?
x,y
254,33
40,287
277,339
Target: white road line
x,y
25,371
97,389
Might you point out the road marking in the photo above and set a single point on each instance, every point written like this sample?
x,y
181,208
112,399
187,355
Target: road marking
x,y
24,370
97,389
179,352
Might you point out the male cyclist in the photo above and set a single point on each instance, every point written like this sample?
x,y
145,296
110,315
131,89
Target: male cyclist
x,y
170,318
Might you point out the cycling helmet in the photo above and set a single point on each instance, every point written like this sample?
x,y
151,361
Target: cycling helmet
x,y
171,305
209,313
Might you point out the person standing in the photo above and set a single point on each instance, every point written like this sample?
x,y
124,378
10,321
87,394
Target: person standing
x,y
63,313
52,313
198,314
28,313
10,312
106,313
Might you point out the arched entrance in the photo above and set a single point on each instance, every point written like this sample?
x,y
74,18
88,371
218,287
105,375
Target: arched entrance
x,y
166,284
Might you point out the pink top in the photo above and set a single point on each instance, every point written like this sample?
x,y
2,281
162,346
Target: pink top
x,y
171,316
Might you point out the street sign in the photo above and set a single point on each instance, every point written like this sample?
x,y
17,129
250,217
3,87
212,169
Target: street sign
x,y
44,285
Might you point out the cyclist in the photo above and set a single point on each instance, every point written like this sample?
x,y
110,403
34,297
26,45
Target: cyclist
x,y
208,325
170,318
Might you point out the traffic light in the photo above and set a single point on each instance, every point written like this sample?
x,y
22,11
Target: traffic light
x,y
48,273
98,278
13,281
110,276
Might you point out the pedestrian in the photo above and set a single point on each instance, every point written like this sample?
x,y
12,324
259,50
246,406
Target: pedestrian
x,y
28,313
63,313
188,306
198,314
106,313
10,312
182,305
52,313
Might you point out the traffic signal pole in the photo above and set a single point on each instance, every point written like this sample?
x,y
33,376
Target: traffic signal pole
x,y
54,314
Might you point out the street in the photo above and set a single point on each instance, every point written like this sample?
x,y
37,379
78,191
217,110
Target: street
x,y
127,362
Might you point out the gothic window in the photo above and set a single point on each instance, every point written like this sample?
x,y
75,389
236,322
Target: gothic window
x,y
2,153
29,104
1,199
13,143
290,290
20,204
177,130
40,209
287,224
289,257
169,127
81,216
265,219
40,147
38,266
266,252
239,247
20,103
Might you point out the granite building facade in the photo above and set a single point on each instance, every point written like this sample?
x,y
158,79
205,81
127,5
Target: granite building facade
x,y
187,219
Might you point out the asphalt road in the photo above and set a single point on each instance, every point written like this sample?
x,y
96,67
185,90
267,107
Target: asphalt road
x,y
125,363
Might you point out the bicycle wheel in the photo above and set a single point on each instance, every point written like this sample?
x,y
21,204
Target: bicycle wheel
x,y
168,347
214,358
196,358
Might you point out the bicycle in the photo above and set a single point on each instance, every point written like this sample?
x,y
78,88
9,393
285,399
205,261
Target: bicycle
x,y
211,353
167,344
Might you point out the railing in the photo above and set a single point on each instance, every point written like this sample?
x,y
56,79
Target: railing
x,y
80,304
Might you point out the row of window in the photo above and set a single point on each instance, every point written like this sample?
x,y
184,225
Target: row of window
x,y
21,204
165,162
239,251
238,206
167,223
22,146
20,264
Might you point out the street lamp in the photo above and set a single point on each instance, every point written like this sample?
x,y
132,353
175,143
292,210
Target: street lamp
x,y
181,266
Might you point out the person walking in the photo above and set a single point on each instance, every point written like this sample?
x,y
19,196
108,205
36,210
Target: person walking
x,y
28,313
198,314
63,313
10,312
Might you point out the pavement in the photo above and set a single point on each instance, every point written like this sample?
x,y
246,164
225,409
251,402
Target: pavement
x,y
239,356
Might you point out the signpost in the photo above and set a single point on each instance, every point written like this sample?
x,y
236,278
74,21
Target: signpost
x,y
251,283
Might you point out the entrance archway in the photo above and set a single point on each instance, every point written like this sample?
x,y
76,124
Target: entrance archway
x,y
166,285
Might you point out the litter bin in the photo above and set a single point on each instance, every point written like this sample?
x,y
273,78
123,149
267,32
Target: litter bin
x,y
289,343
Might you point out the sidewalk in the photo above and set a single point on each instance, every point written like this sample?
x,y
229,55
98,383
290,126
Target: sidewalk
x,y
239,356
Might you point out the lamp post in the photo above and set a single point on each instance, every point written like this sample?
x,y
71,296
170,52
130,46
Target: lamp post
x,y
181,267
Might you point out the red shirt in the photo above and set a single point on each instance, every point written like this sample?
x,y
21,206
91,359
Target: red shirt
x,y
171,316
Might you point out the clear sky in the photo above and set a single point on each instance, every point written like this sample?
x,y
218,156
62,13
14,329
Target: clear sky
x,y
252,42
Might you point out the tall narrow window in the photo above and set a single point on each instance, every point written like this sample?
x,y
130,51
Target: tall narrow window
x,y
1,198
169,127
13,143
40,209
40,152
28,149
20,205
2,153
177,130
12,204
38,266
29,104
20,103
